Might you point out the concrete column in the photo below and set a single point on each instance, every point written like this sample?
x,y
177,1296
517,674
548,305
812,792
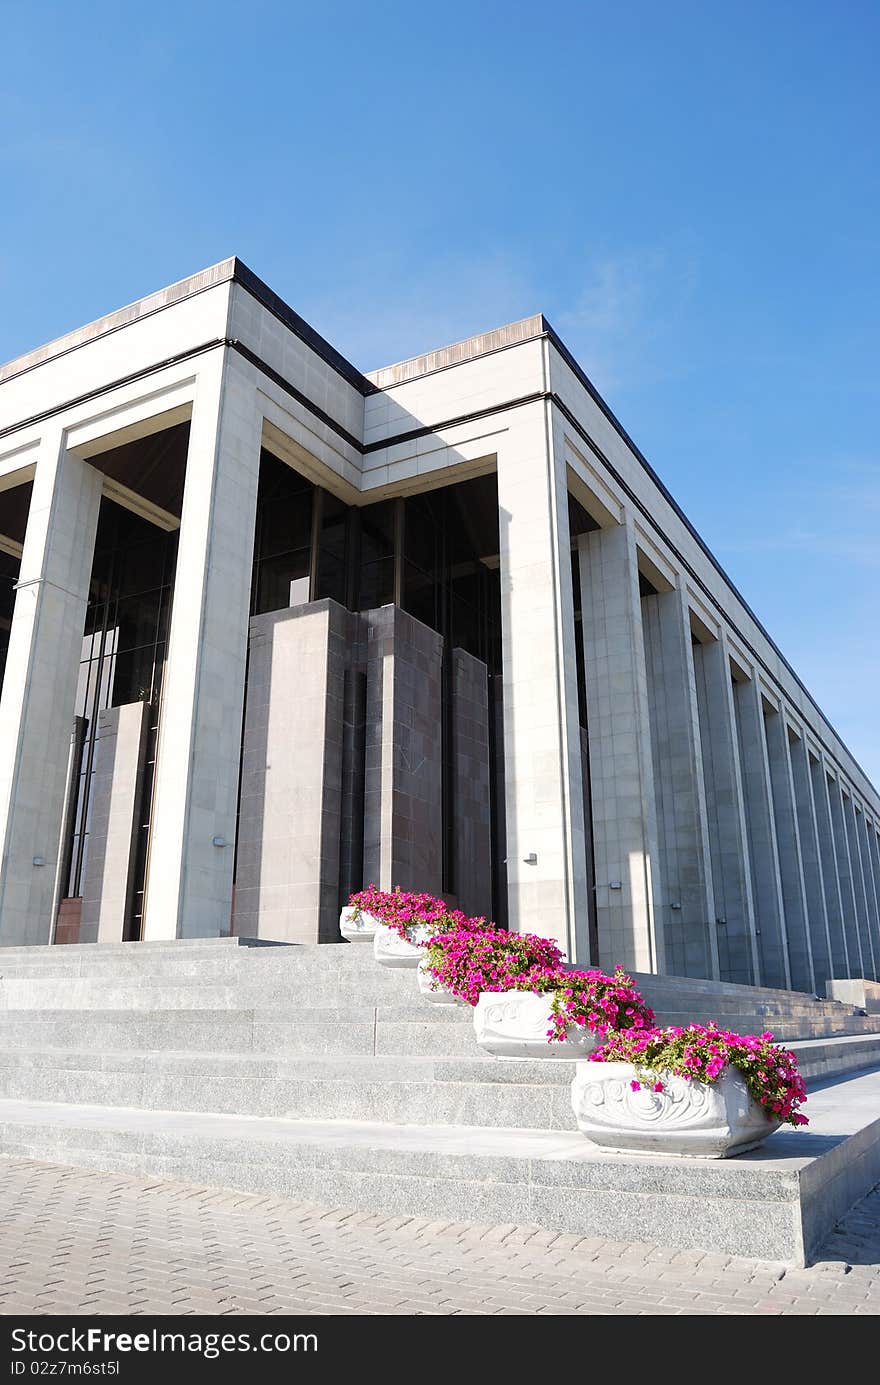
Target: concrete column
x,y
811,859
791,866
621,766
853,826
403,780
542,762
351,846
114,818
728,833
830,870
872,844
189,884
287,877
763,853
847,883
688,904
39,686
472,812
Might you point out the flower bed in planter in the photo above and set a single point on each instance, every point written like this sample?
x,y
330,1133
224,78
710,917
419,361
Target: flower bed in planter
x,y
558,1014
405,922
357,925
431,989
525,1004
695,1091
470,960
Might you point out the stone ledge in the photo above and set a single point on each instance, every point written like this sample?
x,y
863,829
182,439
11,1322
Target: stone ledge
x,y
778,1202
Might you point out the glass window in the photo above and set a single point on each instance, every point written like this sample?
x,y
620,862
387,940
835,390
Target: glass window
x,y
275,576
377,584
420,595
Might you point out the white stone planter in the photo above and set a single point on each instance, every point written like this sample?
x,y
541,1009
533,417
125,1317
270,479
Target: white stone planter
x,y
712,1120
515,1024
357,926
438,995
392,950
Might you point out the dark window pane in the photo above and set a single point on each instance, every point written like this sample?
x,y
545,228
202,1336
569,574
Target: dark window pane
x,y
133,680
137,620
285,524
331,578
377,531
420,595
466,627
377,584
96,614
143,568
275,576
421,531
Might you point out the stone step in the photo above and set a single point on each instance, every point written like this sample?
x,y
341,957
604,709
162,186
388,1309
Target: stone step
x,y
226,958
776,1203
337,993
477,1091
337,1019
416,1029
338,989
785,1028
406,1091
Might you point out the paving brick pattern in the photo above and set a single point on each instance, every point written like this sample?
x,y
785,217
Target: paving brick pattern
x,y
78,1242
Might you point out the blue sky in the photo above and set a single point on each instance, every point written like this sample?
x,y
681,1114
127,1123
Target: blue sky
x,y
688,191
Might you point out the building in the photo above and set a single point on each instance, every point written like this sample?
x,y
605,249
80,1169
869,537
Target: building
x,y
271,628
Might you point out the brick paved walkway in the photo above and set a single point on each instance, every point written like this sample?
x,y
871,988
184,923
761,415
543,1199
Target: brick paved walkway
x,y
73,1241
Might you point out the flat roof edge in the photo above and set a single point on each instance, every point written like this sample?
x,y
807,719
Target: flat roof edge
x,y
121,317
225,271
482,344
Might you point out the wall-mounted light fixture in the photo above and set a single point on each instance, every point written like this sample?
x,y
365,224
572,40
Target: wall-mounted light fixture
x,y
219,841
721,922
531,859
675,905
615,884
39,860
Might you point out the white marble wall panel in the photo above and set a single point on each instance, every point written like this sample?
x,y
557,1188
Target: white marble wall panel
x,y
788,844
811,859
763,854
189,882
114,817
847,878
728,834
542,768
39,685
625,842
687,903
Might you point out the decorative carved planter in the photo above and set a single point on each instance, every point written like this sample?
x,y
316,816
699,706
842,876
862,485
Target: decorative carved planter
x,y
392,950
515,1024
428,987
357,926
712,1120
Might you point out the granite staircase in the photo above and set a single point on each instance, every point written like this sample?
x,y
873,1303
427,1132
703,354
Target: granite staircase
x,y
314,1071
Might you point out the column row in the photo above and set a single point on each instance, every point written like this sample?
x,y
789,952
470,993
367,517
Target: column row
x,y
725,845
189,871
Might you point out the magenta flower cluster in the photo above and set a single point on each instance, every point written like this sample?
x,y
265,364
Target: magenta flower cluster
x,y
467,963
468,956
402,909
700,1053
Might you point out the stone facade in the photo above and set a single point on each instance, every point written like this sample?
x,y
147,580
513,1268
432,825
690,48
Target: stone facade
x,y
403,769
471,784
113,823
659,789
287,877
